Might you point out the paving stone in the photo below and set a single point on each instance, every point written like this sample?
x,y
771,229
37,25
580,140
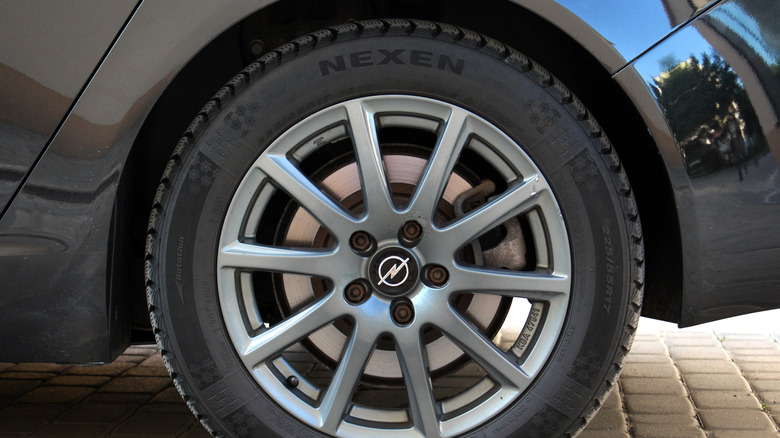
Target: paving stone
x,y
588,433
686,352
14,388
22,424
768,351
40,367
766,367
758,375
648,347
719,382
160,423
671,419
748,359
179,408
99,412
26,375
648,358
40,411
766,385
666,431
692,341
147,385
56,394
771,397
743,434
168,395
765,343
153,361
608,419
740,419
705,366
644,335
613,400
132,359
74,430
610,416
652,386
724,399
649,370
112,369
658,404
729,336
145,350
147,371
687,332
119,397
76,380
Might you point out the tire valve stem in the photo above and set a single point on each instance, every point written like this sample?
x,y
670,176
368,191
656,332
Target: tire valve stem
x,y
292,382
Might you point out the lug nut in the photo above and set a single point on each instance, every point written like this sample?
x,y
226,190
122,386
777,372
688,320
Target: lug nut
x,y
403,313
437,275
356,292
411,231
360,241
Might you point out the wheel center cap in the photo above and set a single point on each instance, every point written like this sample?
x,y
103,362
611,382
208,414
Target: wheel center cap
x,y
393,271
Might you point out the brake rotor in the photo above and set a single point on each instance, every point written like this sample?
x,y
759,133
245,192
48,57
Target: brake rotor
x,y
343,184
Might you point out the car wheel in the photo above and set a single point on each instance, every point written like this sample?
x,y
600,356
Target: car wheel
x,y
394,228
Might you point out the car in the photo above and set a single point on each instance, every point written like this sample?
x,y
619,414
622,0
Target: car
x,y
384,218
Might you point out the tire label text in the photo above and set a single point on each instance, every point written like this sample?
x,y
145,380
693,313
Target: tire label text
x,y
367,58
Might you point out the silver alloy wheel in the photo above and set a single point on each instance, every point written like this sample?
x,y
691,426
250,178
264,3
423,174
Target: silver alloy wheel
x,y
509,366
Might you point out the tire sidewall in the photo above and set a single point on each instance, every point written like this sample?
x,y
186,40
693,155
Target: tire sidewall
x,y
492,88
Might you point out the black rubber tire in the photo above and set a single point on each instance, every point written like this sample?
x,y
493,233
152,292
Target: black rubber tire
x,y
480,75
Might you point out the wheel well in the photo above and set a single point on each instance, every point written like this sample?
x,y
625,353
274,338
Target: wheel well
x,y
284,20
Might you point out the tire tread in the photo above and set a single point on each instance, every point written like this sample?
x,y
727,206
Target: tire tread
x,y
418,29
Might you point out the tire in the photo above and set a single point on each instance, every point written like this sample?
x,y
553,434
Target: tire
x,y
394,227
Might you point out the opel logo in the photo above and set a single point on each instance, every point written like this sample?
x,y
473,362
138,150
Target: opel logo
x,y
393,271
390,268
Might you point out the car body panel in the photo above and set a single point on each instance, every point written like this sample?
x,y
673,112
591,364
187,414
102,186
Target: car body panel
x,y
724,163
56,236
59,225
612,32
42,61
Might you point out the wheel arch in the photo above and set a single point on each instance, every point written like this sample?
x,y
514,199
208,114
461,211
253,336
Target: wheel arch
x,y
279,22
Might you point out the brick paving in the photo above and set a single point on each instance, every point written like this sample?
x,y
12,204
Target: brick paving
x,y
676,383
695,383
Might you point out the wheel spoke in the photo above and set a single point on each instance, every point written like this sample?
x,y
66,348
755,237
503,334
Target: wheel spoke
x,y
436,174
274,259
354,194
422,405
530,285
290,179
337,399
500,366
271,342
515,200
376,193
